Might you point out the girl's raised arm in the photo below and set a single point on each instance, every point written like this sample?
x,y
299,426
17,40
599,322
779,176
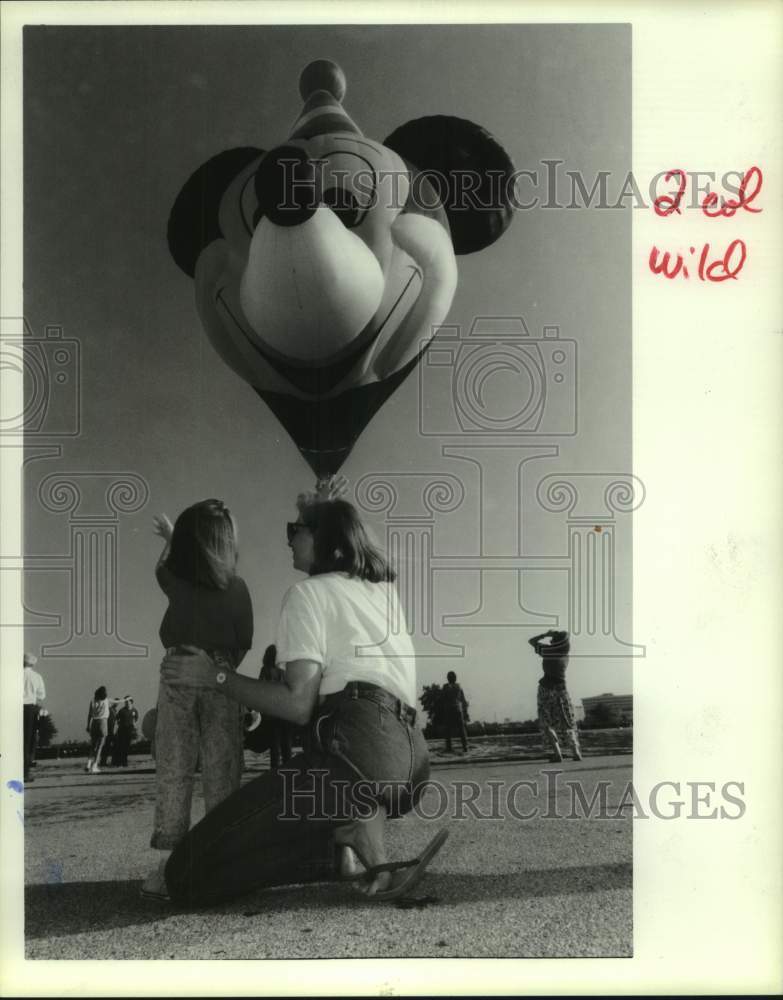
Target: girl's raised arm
x,y
163,527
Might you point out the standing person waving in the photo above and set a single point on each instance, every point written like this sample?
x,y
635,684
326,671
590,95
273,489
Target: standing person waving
x,y
555,710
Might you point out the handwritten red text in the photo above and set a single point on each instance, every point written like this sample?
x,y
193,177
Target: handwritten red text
x,y
706,264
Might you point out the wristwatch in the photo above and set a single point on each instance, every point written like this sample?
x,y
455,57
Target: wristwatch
x,y
220,677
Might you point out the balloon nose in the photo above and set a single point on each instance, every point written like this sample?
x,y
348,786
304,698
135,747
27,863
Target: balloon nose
x,y
285,187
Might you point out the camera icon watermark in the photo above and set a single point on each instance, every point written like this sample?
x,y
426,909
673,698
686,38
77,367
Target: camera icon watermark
x,y
49,369
502,381
496,399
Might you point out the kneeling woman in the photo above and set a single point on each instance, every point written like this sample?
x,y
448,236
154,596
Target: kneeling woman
x,y
365,757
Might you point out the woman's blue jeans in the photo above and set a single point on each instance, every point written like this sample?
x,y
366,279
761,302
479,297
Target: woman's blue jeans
x,y
277,829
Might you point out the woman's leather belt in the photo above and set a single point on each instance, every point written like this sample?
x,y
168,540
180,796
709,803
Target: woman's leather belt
x,y
369,692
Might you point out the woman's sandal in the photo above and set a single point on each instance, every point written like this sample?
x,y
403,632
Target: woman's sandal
x,y
416,868
161,897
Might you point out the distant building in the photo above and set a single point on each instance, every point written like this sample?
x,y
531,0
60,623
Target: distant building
x,y
620,705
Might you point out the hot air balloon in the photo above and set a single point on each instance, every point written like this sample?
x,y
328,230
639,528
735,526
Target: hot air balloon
x,y
323,266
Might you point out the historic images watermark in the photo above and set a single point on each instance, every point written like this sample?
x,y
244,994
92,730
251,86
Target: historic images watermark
x,y
49,368
40,420
551,184
313,794
495,442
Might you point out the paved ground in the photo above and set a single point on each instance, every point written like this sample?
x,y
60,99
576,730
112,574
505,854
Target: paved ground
x,y
501,887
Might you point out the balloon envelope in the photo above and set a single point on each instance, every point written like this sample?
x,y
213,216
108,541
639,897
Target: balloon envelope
x,y
323,267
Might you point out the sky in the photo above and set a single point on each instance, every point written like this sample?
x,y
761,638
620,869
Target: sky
x,y
116,119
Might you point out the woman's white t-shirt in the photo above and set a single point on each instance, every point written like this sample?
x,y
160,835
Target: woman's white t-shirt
x,y
355,629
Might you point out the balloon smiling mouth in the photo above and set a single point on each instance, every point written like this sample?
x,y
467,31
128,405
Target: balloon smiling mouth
x,y
307,378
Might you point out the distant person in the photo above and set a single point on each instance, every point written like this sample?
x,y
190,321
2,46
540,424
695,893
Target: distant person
x,y
210,609
127,717
98,727
33,695
555,710
455,711
148,724
279,730
40,714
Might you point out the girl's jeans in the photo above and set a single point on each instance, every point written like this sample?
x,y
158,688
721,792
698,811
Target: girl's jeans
x,y
193,725
277,829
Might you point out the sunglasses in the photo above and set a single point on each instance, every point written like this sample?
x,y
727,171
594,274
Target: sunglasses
x,y
291,528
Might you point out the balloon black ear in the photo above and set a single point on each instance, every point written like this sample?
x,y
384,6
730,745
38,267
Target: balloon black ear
x,y
469,169
193,223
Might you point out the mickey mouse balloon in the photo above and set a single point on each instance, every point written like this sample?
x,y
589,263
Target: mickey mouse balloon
x,y
322,266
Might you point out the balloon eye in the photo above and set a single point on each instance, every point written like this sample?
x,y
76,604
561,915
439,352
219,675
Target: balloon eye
x,y
285,184
344,206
